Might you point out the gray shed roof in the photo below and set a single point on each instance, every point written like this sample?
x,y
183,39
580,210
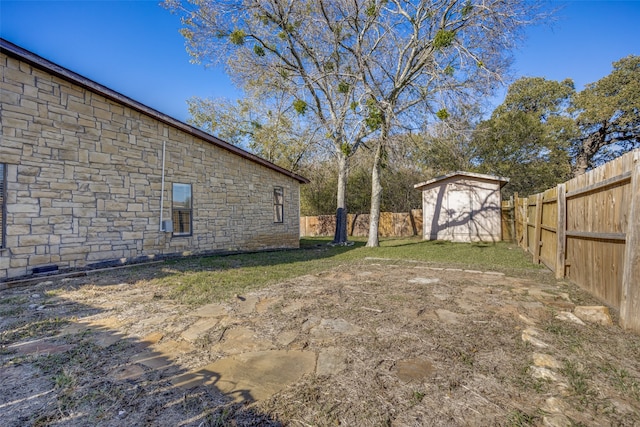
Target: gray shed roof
x,y
477,176
36,61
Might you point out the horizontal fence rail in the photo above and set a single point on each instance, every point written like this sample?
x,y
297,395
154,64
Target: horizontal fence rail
x,y
588,231
391,224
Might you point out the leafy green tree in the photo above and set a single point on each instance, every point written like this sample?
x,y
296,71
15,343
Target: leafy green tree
x,y
446,146
608,116
266,127
319,196
528,135
515,145
399,175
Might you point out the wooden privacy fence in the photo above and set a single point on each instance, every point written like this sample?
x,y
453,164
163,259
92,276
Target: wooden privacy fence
x,y
391,224
588,230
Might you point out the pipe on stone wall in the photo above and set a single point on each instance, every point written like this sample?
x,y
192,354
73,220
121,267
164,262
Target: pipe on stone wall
x,y
164,143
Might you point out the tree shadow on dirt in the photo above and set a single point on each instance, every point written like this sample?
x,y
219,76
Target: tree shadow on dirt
x,y
64,363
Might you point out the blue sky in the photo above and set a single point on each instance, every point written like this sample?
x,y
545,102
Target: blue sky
x,y
134,47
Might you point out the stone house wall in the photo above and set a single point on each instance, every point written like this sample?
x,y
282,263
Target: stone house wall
x,y
84,177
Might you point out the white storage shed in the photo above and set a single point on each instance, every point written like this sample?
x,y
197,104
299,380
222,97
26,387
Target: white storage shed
x,y
462,207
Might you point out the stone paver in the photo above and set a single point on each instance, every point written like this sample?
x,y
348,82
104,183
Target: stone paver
x,y
530,335
211,310
129,372
569,317
539,372
594,314
414,369
265,304
287,337
199,328
246,304
153,337
329,329
40,348
331,361
241,340
252,376
106,339
424,281
545,361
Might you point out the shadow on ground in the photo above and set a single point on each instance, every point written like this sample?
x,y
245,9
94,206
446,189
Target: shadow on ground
x,y
64,363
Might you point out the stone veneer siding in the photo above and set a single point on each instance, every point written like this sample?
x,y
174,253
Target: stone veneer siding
x,y
84,181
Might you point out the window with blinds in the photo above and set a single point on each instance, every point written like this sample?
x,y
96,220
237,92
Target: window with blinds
x,y
182,209
278,205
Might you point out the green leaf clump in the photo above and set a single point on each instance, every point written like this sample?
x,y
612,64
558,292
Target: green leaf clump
x,y
374,119
343,87
300,106
449,70
443,39
237,37
258,50
442,114
466,9
371,10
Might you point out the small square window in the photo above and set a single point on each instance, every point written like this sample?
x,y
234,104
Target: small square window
x,y
278,204
182,209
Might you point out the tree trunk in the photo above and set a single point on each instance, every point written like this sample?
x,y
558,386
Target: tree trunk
x,y
582,163
589,147
376,197
340,236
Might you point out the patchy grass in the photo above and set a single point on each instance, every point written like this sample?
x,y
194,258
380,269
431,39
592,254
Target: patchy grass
x,y
578,378
518,418
622,380
35,329
480,368
215,278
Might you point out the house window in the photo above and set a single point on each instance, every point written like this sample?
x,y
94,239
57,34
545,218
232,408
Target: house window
x,y
278,204
3,179
181,210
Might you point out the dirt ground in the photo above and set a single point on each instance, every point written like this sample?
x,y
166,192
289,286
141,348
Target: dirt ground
x,y
389,343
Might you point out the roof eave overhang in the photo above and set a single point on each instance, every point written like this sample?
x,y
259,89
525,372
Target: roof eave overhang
x,y
31,58
478,176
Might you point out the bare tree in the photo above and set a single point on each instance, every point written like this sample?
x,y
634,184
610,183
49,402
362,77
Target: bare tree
x,y
420,55
297,47
359,67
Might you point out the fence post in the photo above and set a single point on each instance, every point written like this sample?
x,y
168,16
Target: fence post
x,y
630,301
515,218
538,230
525,241
561,230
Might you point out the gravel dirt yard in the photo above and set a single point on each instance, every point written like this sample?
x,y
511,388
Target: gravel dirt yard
x,y
372,342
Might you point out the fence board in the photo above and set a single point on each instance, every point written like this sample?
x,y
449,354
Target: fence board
x,y
404,224
507,213
561,234
630,294
586,229
594,265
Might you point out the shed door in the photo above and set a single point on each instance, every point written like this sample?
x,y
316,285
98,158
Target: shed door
x,y
460,215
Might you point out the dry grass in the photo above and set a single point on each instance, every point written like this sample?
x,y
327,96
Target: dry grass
x,y
466,327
